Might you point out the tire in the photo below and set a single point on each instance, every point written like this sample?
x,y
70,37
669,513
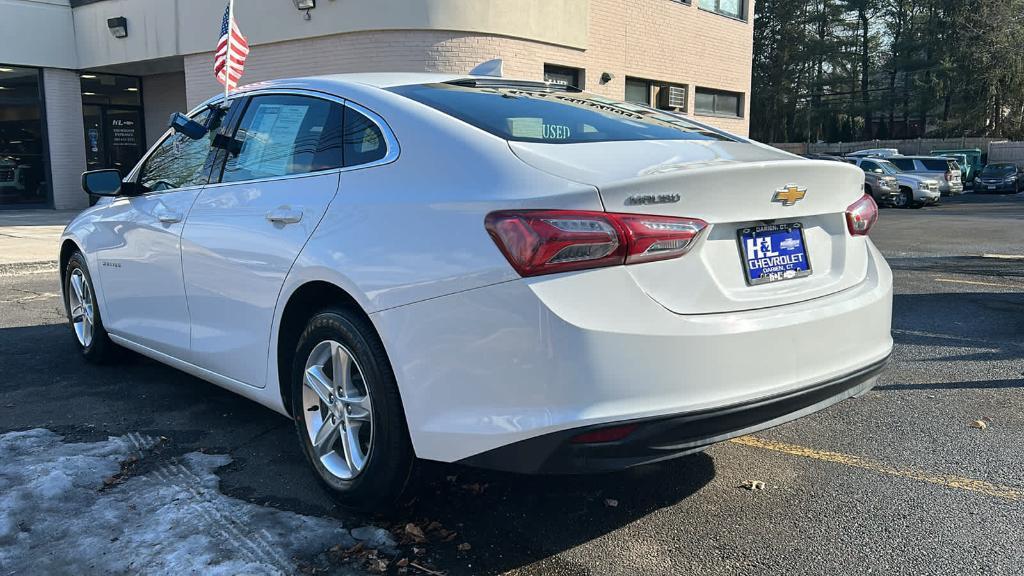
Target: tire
x,y
905,199
376,473
84,313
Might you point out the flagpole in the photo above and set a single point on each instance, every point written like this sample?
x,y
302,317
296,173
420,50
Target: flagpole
x,y
227,56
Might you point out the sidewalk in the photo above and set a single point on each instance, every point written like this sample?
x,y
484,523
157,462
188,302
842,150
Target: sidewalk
x,y
28,238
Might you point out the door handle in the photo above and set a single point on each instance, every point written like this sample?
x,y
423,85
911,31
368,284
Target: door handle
x,y
168,217
284,215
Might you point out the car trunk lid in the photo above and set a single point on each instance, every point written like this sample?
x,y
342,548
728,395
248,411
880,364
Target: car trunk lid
x,y
731,186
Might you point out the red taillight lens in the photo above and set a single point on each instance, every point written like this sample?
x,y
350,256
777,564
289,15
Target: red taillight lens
x,y
657,237
861,216
539,242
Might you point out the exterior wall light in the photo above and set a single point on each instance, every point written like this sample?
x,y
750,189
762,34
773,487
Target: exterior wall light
x,y
118,26
306,5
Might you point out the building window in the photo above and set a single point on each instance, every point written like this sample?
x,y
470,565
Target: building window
x,y
661,95
674,97
638,91
718,102
563,75
23,155
730,8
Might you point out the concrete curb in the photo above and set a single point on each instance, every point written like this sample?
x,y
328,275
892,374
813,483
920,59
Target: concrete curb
x,y
21,268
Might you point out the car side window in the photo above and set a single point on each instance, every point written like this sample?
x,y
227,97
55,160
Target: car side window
x,y
364,143
903,163
283,135
180,161
869,166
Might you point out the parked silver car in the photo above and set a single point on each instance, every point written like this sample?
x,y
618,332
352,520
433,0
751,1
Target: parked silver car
x,y
880,182
915,190
943,169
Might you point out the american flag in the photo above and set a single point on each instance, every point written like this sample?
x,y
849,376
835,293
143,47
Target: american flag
x,y
229,63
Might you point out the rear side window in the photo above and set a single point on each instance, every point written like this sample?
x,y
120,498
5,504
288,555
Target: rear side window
x,y
283,135
529,113
937,165
903,163
869,166
363,142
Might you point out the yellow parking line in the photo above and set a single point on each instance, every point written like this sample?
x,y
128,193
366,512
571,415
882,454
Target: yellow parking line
x,y
975,282
958,482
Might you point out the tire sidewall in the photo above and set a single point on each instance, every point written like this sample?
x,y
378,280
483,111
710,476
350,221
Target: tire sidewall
x,y
390,459
98,348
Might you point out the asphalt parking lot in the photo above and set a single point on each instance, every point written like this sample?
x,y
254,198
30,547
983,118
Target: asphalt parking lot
x,y
898,481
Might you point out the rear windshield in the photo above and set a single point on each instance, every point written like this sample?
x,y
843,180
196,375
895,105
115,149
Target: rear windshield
x,y
938,165
537,114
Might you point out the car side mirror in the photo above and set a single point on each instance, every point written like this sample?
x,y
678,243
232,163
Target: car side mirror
x,y
184,125
878,171
102,182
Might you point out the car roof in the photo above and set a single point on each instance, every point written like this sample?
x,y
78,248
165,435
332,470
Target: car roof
x,y
334,83
923,157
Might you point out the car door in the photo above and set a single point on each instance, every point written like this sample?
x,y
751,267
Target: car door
x,y
245,230
139,243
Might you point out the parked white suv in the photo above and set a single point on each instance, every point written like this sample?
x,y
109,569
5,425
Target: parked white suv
x,y
468,269
943,170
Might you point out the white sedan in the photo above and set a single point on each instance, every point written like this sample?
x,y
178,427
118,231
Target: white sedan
x,y
506,274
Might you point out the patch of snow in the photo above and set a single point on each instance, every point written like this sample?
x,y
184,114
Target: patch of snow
x,y
54,519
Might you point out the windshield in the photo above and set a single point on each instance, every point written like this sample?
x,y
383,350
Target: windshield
x,y
536,113
999,170
888,167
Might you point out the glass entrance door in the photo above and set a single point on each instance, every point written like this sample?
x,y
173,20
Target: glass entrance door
x,y
112,109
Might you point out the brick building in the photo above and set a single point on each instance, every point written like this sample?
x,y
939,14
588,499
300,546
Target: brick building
x,y
88,84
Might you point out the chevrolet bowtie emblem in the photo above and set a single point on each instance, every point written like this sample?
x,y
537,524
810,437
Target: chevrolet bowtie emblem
x,y
789,195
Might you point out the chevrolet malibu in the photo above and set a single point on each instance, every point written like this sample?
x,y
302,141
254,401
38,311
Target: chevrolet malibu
x,y
506,274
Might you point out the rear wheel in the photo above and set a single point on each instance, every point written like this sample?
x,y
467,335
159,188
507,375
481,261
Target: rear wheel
x,y
84,312
348,413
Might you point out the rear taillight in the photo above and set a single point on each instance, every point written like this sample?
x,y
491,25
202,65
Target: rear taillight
x,y
539,242
861,216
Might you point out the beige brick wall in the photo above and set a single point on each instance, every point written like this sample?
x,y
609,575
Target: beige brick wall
x,y
65,131
659,40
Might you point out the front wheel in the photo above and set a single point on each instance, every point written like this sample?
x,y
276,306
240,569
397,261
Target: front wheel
x,y
348,412
84,312
904,199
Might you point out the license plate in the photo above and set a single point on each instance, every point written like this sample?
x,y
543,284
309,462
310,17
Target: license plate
x,y
991,187
774,252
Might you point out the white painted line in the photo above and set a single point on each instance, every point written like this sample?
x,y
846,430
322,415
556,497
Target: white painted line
x,y
952,281
1004,256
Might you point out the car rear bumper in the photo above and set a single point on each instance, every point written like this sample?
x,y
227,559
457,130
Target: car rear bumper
x,y
665,437
492,367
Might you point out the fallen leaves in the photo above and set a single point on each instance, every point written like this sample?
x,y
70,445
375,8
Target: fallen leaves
x,y
127,467
981,424
753,485
611,502
464,547
415,532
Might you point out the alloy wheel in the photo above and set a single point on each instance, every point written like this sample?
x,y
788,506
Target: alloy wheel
x,y
82,306
337,410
